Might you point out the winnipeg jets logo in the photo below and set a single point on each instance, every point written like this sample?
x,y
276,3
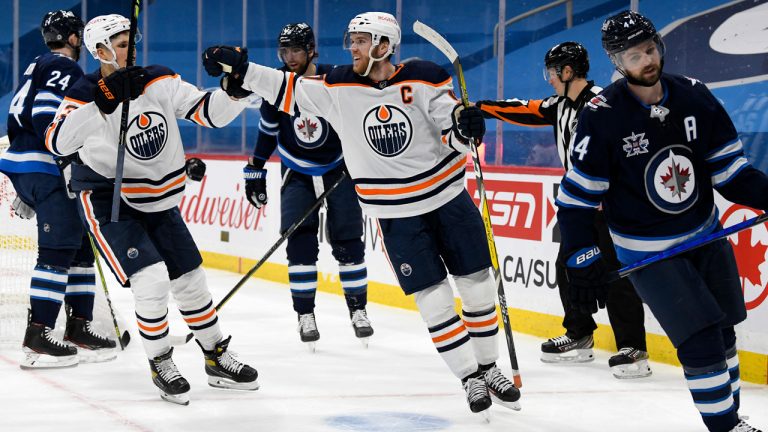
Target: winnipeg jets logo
x,y
310,131
670,180
147,135
388,130
598,101
635,144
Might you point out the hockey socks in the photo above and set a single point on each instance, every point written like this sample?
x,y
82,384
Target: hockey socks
x,y
46,294
483,326
302,280
81,289
354,282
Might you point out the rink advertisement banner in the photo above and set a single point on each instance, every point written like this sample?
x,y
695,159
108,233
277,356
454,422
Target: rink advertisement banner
x,y
523,213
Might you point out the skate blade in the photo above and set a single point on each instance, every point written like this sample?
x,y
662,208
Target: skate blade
x,y
310,347
511,405
96,356
228,384
581,356
179,399
636,370
485,415
33,360
364,341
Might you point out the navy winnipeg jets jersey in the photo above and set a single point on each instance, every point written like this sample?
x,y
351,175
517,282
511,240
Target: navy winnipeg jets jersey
x,y
306,143
42,88
653,168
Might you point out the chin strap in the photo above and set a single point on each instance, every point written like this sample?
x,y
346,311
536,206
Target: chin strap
x,y
372,60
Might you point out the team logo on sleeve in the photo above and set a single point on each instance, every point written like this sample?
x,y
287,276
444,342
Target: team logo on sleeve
x,y
310,131
147,135
670,181
388,130
598,101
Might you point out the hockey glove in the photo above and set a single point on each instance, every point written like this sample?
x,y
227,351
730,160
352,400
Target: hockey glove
x,y
468,123
22,209
226,59
121,85
587,276
255,185
195,169
65,167
234,87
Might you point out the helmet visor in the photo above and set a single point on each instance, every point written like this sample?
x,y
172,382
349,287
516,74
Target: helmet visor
x,y
638,55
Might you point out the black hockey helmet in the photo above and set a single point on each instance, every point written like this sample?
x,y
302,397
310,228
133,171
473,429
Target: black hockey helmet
x,y
564,54
58,25
627,29
296,35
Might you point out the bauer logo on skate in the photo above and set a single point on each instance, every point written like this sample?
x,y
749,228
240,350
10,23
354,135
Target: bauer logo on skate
x,y
515,207
388,130
749,247
670,181
147,135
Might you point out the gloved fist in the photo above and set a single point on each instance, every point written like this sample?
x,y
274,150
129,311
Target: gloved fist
x,y
226,59
195,169
255,185
234,87
121,85
468,122
65,167
587,276
22,210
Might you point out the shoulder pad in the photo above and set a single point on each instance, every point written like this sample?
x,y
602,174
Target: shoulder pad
x,y
421,70
341,74
156,71
82,89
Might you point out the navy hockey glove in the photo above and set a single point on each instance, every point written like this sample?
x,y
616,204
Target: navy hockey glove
x,y
255,185
587,276
121,85
234,87
195,169
22,209
226,59
468,122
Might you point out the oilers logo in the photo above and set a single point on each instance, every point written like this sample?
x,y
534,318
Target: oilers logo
x,y
310,131
670,180
147,135
388,130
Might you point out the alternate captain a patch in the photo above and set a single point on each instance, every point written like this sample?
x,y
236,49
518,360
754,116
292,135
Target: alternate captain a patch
x,y
670,180
388,130
147,135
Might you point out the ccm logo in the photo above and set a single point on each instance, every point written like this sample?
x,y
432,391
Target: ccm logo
x,y
513,207
105,90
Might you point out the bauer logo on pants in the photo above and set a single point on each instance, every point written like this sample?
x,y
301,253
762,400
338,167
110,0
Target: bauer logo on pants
x,y
388,130
147,135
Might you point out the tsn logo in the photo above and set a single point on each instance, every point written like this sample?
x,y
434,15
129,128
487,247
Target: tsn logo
x,y
514,207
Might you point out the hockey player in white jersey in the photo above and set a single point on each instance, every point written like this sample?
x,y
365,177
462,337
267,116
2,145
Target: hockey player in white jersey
x,y
404,137
150,248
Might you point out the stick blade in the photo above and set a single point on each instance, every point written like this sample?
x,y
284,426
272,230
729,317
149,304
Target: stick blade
x,y
435,39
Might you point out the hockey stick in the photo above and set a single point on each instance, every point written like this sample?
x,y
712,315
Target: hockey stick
x,y
135,7
125,339
690,245
277,244
440,43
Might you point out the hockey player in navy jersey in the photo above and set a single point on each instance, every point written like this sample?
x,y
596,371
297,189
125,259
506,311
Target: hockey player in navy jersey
x,y
651,149
64,270
565,67
404,137
149,248
311,160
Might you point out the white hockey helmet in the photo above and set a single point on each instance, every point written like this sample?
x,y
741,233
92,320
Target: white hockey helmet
x,y
378,25
101,29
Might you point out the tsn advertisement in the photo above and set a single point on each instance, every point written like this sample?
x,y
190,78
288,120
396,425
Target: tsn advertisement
x,y
523,213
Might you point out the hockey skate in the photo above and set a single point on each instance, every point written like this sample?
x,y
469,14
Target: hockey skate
x,y
226,371
308,330
630,363
563,349
743,426
42,351
173,387
501,389
362,325
477,396
93,347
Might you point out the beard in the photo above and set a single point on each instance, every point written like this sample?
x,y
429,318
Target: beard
x,y
648,77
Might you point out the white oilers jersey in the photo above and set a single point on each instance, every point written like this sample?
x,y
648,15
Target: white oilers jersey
x,y
153,175
395,134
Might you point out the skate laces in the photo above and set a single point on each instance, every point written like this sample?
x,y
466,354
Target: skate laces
x,y
307,322
561,340
475,388
360,318
228,361
495,379
632,353
744,427
167,369
90,331
48,335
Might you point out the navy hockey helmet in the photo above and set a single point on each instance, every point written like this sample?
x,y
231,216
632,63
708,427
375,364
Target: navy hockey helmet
x,y
564,54
58,25
627,29
296,35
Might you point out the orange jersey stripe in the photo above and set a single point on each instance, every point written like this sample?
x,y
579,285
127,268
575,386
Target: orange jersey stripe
x,y
158,79
201,318
288,93
94,224
152,329
450,334
482,323
153,190
395,84
77,101
48,144
417,187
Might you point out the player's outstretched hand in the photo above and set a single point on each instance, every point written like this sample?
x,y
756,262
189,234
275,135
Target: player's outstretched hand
x,y
468,122
195,169
255,185
234,87
121,85
22,210
226,59
587,276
